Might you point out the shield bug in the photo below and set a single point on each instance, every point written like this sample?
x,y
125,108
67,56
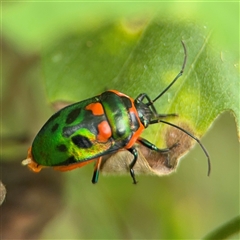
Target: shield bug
x,y
88,130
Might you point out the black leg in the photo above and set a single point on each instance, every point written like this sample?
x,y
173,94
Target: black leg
x,y
150,104
150,145
141,96
134,152
153,147
96,170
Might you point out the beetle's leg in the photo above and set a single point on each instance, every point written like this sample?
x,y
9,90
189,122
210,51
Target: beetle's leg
x,y
96,170
141,97
150,145
150,103
134,152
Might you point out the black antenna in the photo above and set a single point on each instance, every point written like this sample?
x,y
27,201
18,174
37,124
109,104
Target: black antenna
x,y
196,139
150,103
176,78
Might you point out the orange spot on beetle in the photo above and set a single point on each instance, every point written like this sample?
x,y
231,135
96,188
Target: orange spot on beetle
x,y
96,108
105,131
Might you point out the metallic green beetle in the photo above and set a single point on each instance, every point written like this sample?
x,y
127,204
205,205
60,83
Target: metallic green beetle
x,y
85,131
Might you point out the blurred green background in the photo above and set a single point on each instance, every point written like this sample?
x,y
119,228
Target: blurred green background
x,y
53,205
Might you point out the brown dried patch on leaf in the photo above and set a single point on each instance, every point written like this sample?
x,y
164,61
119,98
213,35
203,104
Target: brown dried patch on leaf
x,y
118,163
185,142
157,161
149,161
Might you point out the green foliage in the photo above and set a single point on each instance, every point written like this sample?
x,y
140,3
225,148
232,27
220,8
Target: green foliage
x,y
90,47
144,56
226,230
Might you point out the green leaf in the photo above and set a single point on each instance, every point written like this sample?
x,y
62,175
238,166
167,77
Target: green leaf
x,y
38,24
142,55
226,230
84,65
